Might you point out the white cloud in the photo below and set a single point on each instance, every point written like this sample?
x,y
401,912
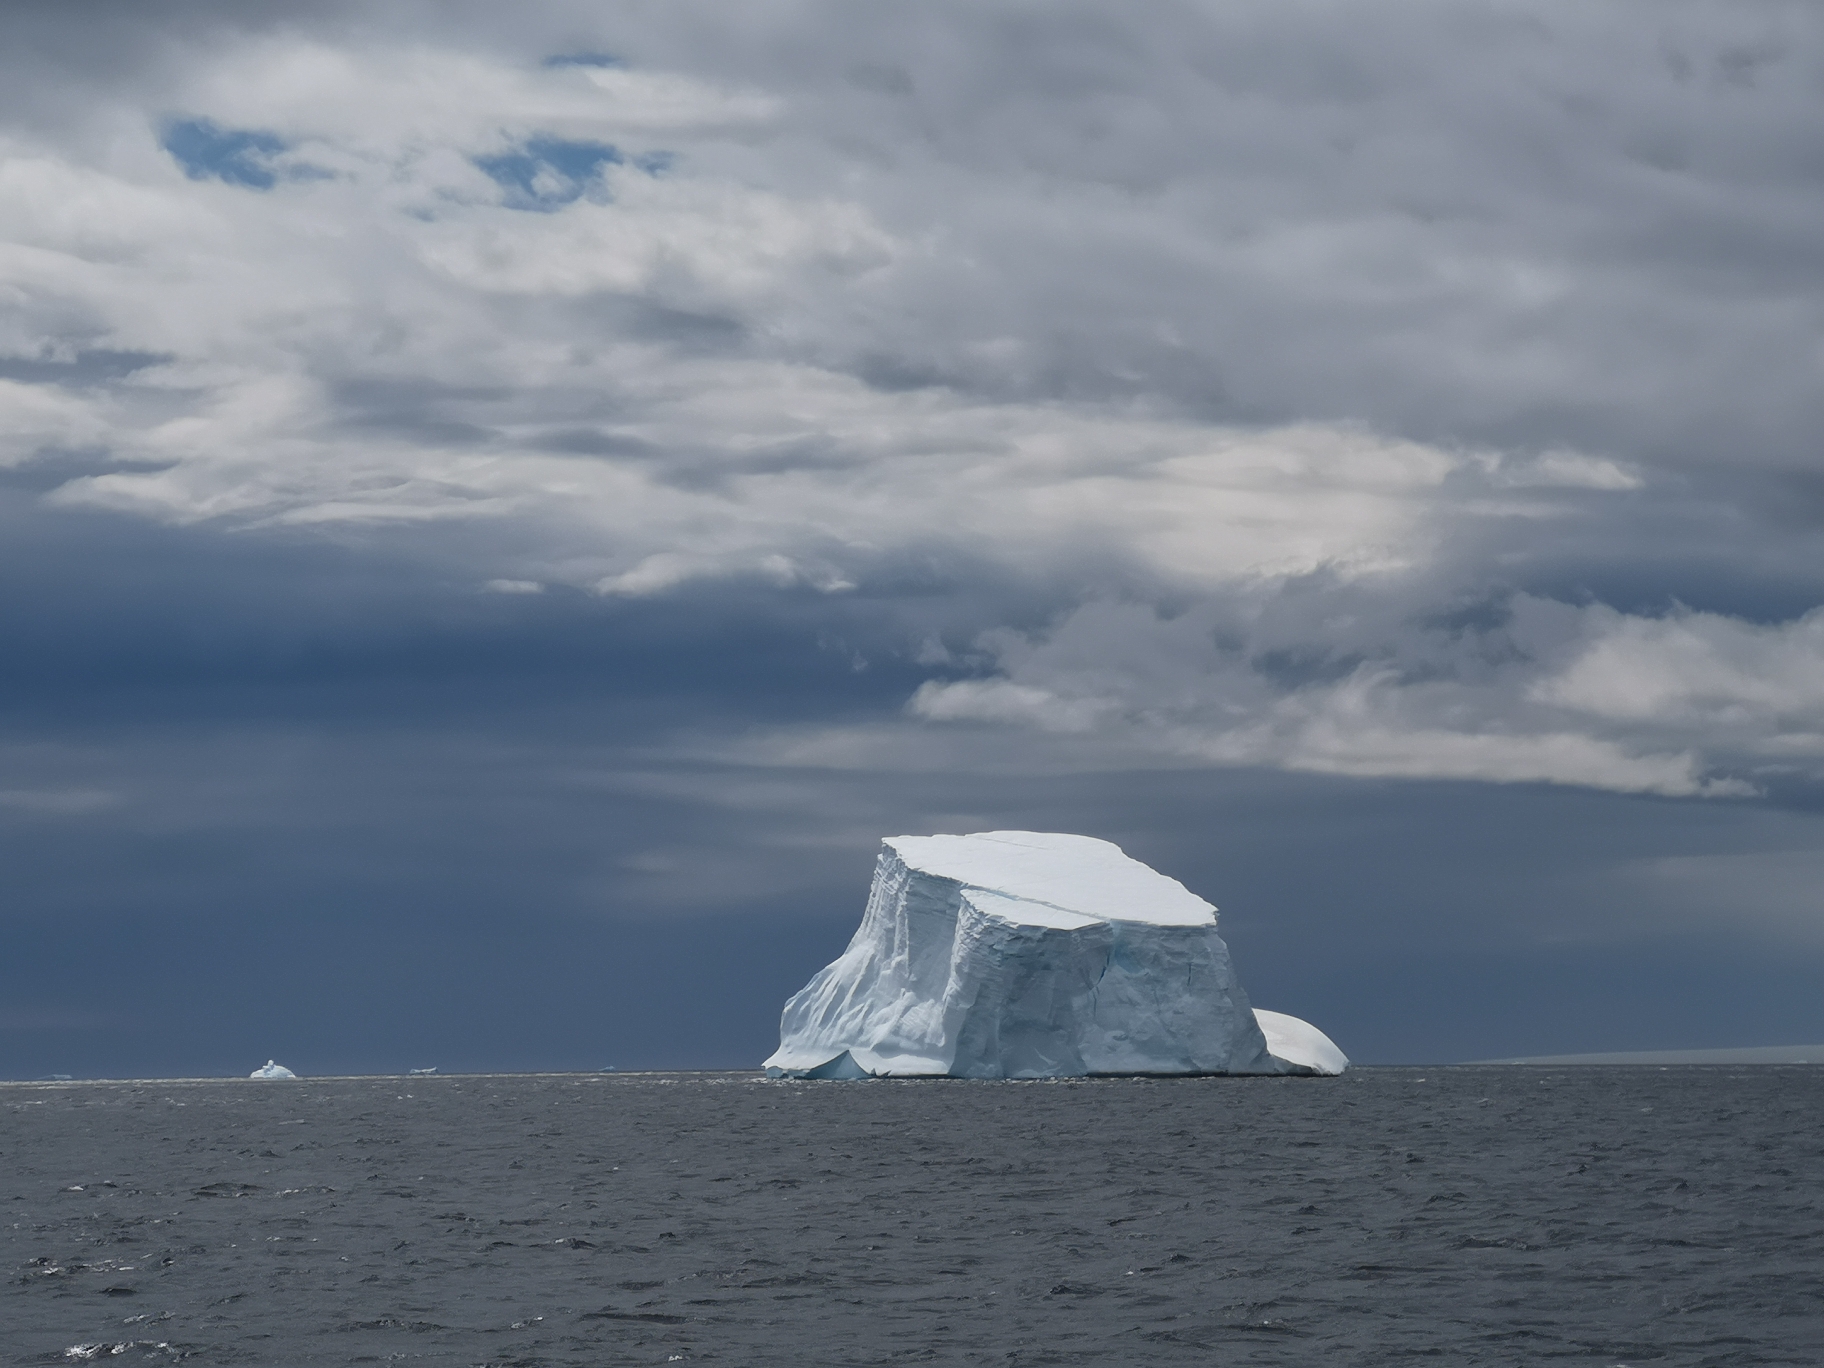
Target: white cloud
x,y
999,700
401,101
1429,706
59,802
1256,355
689,244
1761,685
1562,470
34,418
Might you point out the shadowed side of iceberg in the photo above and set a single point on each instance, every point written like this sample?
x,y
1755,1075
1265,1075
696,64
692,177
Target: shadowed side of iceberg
x,y
946,977
843,1066
881,1001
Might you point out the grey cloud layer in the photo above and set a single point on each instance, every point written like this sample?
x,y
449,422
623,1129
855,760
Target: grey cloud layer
x,y
1359,392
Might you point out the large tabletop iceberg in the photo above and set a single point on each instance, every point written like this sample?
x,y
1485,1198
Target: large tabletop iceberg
x,y
1024,954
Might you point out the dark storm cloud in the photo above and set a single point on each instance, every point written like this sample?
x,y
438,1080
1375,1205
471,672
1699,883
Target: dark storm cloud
x,y
1535,224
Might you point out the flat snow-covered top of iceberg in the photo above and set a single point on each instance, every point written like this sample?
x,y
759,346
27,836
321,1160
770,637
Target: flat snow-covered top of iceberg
x,y
1067,874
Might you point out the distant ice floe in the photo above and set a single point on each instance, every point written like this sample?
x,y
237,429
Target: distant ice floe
x,y
422,1073
1021,954
271,1070
1752,1054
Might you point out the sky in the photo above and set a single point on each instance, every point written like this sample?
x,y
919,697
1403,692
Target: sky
x,y
502,508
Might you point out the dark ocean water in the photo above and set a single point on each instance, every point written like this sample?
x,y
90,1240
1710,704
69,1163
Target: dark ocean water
x,y
1393,1216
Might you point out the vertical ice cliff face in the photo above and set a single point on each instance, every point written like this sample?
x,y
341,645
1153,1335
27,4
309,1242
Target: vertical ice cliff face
x,y
1019,954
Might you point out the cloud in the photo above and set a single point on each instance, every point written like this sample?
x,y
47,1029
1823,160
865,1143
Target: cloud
x,y
1562,470
1761,687
37,418
1294,387
1001,700
58,802
1410,703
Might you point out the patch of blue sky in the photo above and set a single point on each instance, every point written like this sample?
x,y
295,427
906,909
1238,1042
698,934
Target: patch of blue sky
x,y
236,156
544,174
239,156
583,59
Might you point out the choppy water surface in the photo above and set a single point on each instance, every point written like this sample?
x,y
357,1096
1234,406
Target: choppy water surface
x,y
1463,1216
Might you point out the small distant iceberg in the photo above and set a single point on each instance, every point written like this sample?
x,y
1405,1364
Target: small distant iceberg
x,y
270,1069
421,1073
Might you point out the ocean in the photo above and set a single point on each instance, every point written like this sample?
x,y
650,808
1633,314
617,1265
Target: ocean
x,y
1469,1215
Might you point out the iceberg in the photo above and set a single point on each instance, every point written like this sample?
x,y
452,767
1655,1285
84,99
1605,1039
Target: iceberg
x,y
1299,1042
1023,954
272,1070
